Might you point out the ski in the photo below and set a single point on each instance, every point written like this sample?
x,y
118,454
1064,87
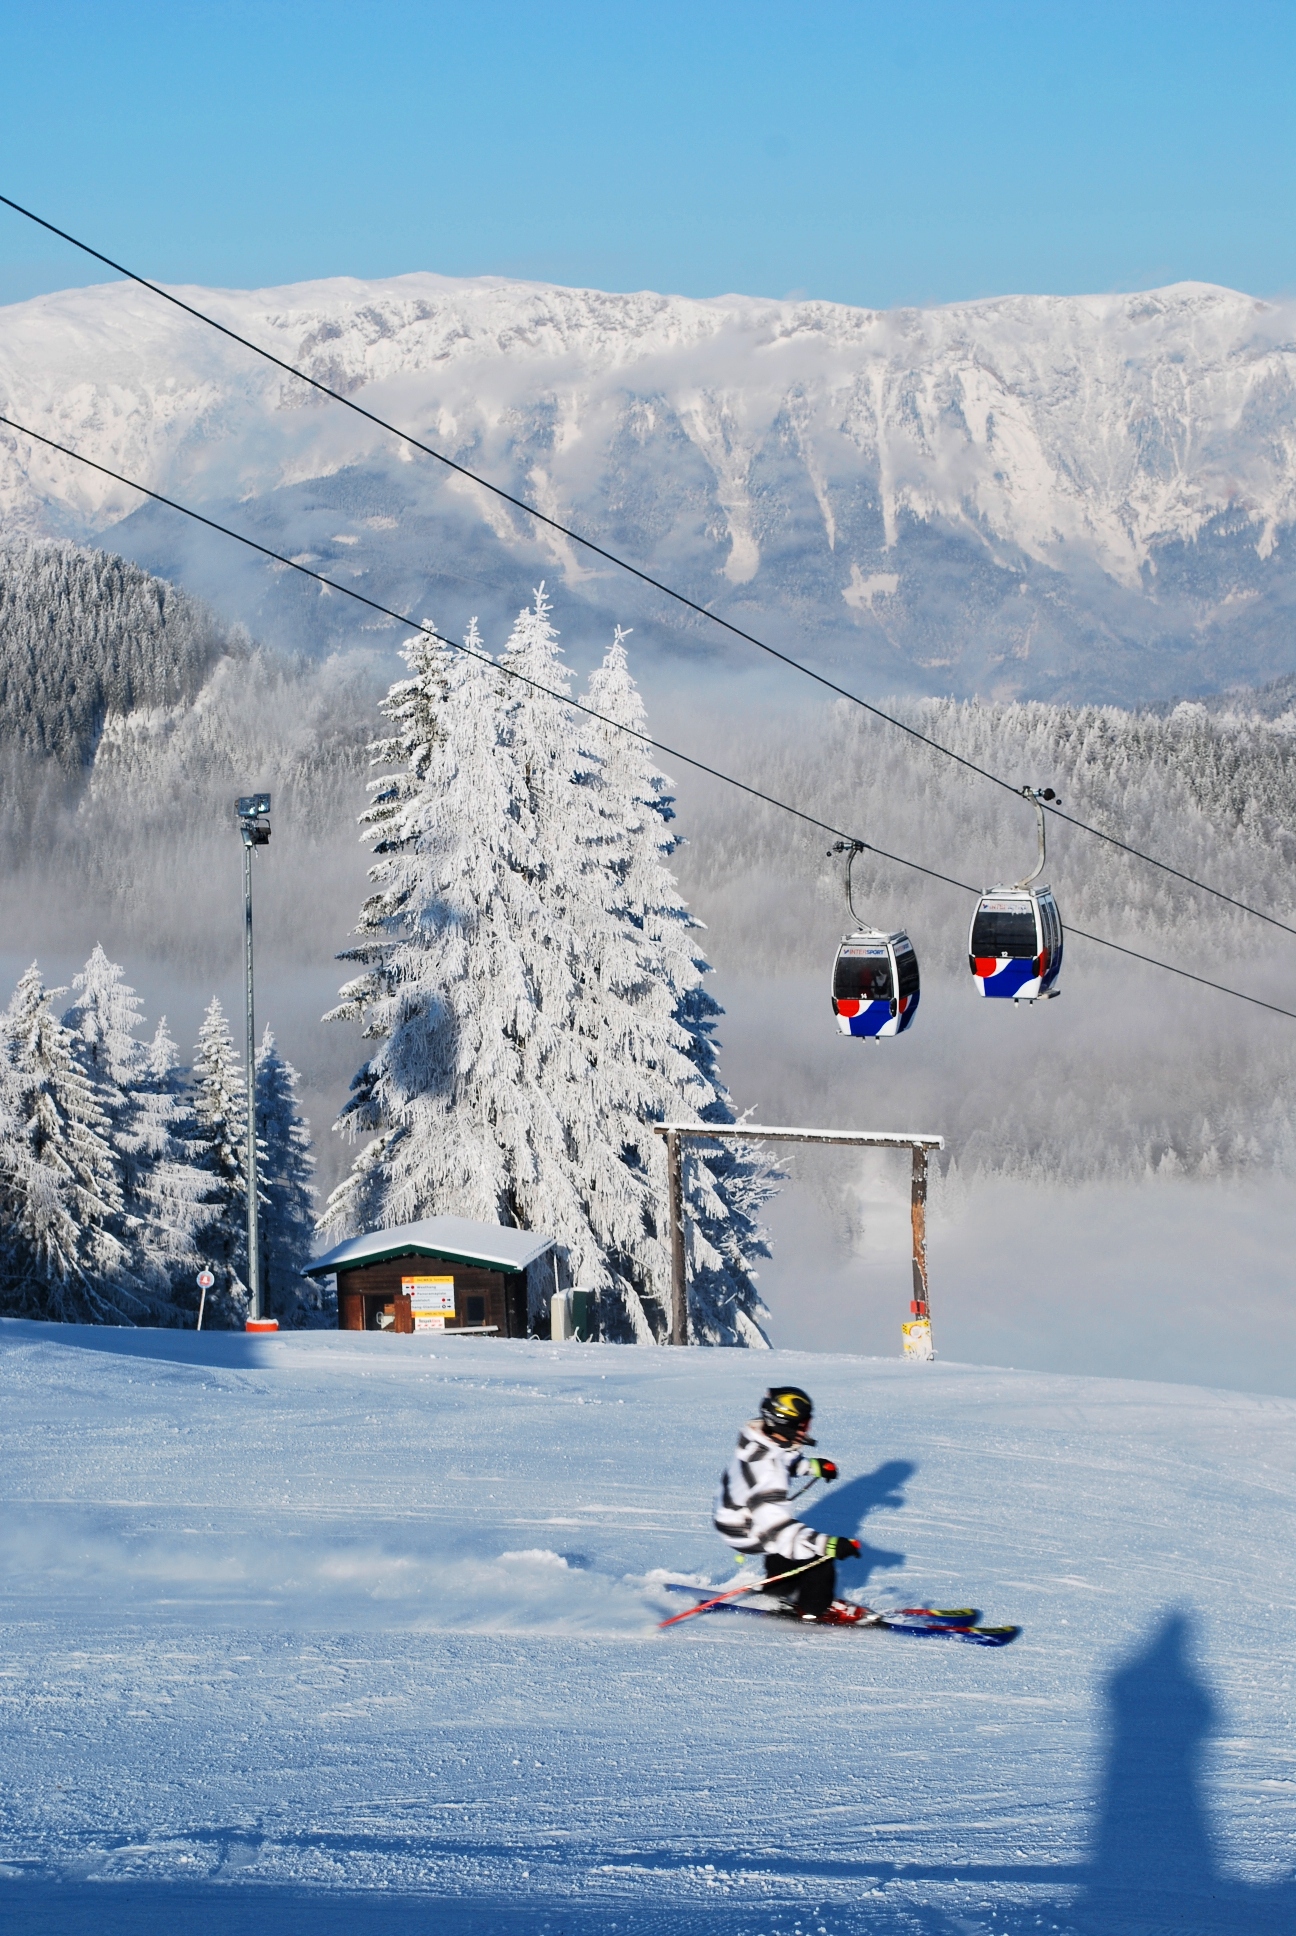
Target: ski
x,y
921,1623
936,1630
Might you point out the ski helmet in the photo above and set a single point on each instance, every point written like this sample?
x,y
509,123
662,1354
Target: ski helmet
x,y
786,1412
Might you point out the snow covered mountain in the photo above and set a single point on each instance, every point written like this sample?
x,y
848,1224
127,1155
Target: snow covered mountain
x,y
1089,497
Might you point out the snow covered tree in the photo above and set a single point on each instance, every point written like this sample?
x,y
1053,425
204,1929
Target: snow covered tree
x,y
653,1049
525,981
287,1194
141,1093
456,986
60,1197
104,1021
174,1194
219,1139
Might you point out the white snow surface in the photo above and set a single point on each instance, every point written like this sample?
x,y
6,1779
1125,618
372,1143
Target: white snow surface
x,y
350,1633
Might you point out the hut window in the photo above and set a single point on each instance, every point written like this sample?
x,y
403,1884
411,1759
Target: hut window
x,y
475,1310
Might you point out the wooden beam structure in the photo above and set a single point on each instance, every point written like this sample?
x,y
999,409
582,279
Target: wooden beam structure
x,y
675,1211
918,1331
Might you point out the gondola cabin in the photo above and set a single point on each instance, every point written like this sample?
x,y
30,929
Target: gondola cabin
x,y
875,984
443,1274
1015,947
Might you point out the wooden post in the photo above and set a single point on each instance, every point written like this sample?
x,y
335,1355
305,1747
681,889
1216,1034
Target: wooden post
x,y
675,1211
919,1308
677,1135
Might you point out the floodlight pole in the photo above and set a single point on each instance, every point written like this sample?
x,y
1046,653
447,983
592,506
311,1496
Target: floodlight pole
x,y
249,1003
255,831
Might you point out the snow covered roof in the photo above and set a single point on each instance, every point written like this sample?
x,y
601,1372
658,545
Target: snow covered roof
x,y
487,1244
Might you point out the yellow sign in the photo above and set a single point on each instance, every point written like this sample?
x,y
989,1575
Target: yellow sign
x,y
429,1294
918,1340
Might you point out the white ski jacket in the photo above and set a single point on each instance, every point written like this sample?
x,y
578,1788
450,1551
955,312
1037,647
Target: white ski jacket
x,y
751,1508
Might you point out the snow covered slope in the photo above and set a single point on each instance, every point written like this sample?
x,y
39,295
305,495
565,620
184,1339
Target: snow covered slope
x,y
358,1634
1089,496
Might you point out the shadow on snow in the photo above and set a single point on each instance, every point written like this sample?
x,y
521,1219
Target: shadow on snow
x,y
845,1507
1153,1868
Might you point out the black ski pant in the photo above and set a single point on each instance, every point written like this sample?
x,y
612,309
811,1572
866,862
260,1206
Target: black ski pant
x,y
811,1591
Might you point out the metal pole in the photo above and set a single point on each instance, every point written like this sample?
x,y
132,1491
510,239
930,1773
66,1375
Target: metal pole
x,y
920,1308
675,1210
253,1232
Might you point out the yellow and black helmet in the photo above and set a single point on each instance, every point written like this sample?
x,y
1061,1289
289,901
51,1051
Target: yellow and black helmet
x,y
786,1412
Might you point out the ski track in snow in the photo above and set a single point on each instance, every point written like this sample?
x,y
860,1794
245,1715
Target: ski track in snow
x,y
348,1633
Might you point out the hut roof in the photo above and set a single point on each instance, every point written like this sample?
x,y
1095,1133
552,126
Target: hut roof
x,y
492,1246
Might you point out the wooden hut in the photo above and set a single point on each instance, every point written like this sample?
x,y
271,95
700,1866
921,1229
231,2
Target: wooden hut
x,y
443,1274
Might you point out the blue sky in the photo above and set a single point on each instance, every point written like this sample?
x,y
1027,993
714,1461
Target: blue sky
x,y
863,153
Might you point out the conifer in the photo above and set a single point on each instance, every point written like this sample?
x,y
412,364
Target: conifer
x,y
219,1141
658,1051
458,960
531,990
286,1166
141,1093
175,1194
59,1186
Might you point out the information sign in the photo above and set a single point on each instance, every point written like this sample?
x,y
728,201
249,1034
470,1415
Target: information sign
x,y
430,1297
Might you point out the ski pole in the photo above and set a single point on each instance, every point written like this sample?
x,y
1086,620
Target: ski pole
x,y
752,1587
801,1493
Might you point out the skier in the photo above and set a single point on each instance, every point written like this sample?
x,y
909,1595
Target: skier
x,y
751,1508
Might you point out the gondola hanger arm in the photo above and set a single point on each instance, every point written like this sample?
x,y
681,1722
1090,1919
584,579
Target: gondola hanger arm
x,y
850,848
1037,797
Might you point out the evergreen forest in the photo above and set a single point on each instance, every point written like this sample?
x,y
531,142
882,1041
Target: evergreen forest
x,y
524,988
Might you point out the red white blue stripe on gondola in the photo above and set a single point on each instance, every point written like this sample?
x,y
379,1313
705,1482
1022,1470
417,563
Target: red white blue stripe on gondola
x,y
875,1018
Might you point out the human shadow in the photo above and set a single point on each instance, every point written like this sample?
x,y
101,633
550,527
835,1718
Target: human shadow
x,y
1154,1860
1153,1866
844,1507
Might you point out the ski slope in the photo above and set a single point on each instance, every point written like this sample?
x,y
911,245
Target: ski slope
x,y
346,1633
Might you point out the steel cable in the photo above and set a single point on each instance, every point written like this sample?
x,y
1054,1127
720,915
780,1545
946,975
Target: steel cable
x,y
646,739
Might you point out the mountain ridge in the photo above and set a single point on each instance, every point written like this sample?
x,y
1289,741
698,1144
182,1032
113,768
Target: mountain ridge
x,y
1038,496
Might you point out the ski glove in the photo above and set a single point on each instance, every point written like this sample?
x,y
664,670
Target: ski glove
x,y
824,1469
838,1547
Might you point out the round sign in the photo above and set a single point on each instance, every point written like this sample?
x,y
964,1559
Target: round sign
x,y
205,1280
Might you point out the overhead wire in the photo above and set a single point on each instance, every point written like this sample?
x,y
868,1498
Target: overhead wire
x,y
635,571
646,739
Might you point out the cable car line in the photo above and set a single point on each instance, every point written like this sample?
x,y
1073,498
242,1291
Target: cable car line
x,y
646,739
623,564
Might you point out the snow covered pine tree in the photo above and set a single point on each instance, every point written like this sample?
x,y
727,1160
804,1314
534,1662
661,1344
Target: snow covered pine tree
x,y
535,998
220,1132
286,1166
134,1084
176,1193
60,1199
665,1013
456,961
